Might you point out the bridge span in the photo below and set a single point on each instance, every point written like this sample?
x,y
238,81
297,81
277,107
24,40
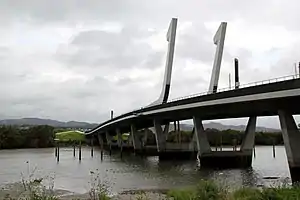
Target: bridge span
x,y
270,98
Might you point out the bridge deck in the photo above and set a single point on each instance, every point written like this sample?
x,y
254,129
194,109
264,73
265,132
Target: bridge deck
x,y
261,100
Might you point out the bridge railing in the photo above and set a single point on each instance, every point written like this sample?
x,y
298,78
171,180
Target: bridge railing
x,y
263,82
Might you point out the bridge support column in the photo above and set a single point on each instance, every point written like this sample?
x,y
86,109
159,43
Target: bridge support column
x,y
145,138
101,143
161,136
100,139
168,151
137,145
166,131
120,139
109,142
291,138
203,145
248,143
249,136
108,138
225,159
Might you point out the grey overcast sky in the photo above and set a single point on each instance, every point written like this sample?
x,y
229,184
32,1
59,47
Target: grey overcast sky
x,y
78,59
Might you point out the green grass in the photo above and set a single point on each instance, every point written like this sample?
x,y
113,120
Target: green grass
x,y
208,190
33,189
70,136
205,190
246,194
180,194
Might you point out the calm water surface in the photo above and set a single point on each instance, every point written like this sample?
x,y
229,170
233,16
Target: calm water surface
x,y
134,172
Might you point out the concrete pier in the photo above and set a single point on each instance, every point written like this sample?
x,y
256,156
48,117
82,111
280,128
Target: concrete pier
x,y
145,137
199,146
137,145
291,139
200,136
225,159
101,143
108,138
248,142
160,136
120,139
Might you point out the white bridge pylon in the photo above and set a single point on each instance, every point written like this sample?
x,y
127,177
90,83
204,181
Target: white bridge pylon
x,y
218,40
171,35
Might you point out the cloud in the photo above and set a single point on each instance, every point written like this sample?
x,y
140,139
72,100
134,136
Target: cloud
x,y
77,60
124,49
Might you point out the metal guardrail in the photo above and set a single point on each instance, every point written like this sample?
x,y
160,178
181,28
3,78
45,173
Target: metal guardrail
x,y
263,82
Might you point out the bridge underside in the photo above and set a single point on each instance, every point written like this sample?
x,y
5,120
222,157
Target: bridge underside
x,y
268,107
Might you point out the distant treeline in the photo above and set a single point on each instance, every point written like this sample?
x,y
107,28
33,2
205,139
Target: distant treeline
x,y
226,137
12,137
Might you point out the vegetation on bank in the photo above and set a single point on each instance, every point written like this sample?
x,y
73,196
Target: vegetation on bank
x,y
12,137
43,136
209,190
34,189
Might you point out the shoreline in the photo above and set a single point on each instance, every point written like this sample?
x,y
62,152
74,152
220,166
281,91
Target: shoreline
x,y
16,190
182,193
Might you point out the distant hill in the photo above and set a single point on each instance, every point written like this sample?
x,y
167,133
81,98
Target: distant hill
x,y
50,122
75,124
219,126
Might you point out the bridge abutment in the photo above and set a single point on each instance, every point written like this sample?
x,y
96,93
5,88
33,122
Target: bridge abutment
x,y
224,159
291,138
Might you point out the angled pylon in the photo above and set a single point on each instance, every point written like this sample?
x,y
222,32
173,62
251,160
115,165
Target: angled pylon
x,y
219,39
171,35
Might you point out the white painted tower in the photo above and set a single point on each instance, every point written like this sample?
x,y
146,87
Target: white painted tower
x,y
171,35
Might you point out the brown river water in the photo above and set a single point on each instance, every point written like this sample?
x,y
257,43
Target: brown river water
x,y
134,172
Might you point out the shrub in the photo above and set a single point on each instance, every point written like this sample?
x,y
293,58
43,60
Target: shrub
x,y
210,191
246,194
99,189
182,194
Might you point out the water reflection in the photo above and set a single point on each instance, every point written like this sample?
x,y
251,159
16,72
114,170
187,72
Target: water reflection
x,y
191,172
135,172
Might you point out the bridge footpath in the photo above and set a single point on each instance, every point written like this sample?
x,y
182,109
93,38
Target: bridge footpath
x,y
279,98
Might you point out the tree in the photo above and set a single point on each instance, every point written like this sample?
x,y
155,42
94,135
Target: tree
x,y
37,136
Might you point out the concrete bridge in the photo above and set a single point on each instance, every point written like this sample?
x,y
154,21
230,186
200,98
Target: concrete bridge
x,y
279,96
